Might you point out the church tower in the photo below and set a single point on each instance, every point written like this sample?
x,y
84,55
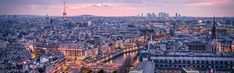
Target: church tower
x,y
213,44
213,36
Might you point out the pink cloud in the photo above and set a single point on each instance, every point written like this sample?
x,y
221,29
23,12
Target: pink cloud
x,y
107,11
124,7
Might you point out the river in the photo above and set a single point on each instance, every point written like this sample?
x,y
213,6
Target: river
x,y
120,59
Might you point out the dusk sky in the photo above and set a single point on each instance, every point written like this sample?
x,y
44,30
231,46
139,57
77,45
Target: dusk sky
x,y
118,7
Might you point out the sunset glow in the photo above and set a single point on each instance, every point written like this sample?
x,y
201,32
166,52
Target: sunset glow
x,y
118,7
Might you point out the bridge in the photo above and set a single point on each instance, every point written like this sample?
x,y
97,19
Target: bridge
x,y
108,58
109,67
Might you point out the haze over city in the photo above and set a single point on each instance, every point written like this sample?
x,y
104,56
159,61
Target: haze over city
x,y
118,7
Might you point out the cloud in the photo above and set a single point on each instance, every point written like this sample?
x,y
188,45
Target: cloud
x,y
125,7
101,5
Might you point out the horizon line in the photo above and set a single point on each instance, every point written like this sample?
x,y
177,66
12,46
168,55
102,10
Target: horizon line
x,y
100,15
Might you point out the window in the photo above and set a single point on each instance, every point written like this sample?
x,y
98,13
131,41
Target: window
x,y
179,66
207,62
176,61
170,61
221,62
160,66
212,62
202,62
216,66
164,61
216,62
202,66
156,61
161,61
179,61
184,61
176,66
221,66
194,62
226,62
170,66
197,62
188,62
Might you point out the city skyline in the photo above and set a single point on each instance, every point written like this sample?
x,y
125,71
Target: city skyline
x,y
118,7
116,36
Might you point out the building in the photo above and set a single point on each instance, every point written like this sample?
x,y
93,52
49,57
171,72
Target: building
x,y
151,15
226,45
145,67
3,44
200,61
197,45
136,71
163,14
189,70
72,51
227,28
233,46
177,15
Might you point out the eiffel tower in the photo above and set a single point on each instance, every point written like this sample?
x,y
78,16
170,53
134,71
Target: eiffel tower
x,y
64,12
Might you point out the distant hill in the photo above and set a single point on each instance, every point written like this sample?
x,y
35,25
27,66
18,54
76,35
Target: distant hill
x,y
88,15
